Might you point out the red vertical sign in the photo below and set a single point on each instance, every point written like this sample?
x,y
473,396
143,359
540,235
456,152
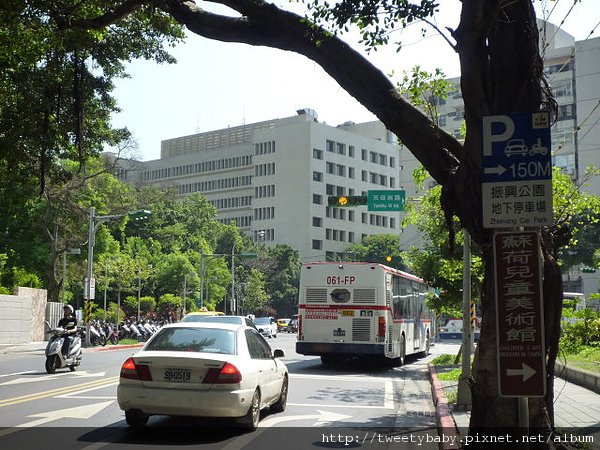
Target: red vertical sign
x,y
520,319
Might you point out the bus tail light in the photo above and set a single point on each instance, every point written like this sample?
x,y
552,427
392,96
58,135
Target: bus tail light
x,y
300,327
381,327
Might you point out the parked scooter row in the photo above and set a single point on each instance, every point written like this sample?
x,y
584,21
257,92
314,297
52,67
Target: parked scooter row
x,y
141,330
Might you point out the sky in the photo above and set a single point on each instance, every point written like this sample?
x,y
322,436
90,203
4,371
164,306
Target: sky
x,y
215,85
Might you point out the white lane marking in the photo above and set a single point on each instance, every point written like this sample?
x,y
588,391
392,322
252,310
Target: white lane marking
x,y
17,373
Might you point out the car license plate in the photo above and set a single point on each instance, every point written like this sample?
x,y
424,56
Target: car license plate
x,y
179,375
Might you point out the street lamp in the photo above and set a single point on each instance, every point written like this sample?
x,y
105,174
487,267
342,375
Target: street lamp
x,y
90,285
202,273
139,289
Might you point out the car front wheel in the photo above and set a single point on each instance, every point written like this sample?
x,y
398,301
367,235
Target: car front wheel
x,y
280,404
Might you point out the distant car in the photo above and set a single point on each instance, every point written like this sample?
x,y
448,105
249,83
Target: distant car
x,y
266,326
516,147
238,320
292,326
190,317
203,369
282,325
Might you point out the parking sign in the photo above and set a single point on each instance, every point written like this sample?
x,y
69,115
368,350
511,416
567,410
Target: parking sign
x,y
516,170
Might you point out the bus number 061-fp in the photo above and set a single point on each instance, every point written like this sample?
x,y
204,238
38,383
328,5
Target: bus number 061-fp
x,y
336,279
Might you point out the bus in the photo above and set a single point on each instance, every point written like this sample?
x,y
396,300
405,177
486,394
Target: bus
x,y
357,309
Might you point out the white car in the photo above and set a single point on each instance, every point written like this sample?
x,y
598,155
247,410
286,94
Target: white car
x,y
267,326
203,369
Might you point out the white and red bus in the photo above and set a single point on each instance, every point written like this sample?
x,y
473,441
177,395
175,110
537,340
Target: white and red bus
x,y
352,309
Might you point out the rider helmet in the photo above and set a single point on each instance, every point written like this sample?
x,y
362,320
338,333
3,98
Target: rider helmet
x,y
68,308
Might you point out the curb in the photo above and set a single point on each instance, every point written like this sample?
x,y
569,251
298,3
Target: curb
x,y
118,347
579,377
445,420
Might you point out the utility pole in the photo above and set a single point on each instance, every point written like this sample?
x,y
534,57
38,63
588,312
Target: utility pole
x,y
463,400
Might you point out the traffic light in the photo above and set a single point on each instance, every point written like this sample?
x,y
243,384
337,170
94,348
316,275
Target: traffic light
x,y
343,201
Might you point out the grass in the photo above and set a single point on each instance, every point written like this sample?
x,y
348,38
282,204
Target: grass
x,y
452,375
587,359
128,341
444,360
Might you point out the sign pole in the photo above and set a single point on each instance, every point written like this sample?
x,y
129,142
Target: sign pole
x,y
464,392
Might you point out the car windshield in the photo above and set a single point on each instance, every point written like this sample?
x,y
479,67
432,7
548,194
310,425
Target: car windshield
x,y
262,320
206,340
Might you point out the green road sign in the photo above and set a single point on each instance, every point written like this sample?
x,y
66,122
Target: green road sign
x,y
248,255
386,200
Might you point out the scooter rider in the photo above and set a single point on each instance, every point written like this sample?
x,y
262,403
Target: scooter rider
x,y
69,323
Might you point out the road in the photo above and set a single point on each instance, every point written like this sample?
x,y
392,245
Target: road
x,y
81,406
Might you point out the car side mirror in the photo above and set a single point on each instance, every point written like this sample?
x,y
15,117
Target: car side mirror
x,y
278,353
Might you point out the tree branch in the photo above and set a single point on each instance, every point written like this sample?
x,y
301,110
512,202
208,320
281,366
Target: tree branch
x,y
264,24
122,11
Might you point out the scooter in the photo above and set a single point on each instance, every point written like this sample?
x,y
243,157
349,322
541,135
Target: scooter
x,y
54,356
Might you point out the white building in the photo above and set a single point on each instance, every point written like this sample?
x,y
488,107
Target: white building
x,y
273,179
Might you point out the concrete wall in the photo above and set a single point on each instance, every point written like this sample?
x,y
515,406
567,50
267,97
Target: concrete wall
x,y
22,316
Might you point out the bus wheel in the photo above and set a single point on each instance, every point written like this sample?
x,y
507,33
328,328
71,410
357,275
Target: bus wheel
x,y
427,346
399,361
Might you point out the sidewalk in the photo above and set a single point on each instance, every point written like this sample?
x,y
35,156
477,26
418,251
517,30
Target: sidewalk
x,y
576,409
41,346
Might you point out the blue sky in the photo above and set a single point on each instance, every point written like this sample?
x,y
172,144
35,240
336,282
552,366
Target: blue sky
x,y
215,85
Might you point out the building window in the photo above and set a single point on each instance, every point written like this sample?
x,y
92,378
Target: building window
x,y
562,88
373,157
392,161
341,170
351,151
351,216
566,112
330,189
373,177
383,160
317,199
364,154
340,190
392,182
341,148
392,222
351,236
317,176
364,217
317,222
330,146
330,168
365,176
350,172
317,244
328,234
317,154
